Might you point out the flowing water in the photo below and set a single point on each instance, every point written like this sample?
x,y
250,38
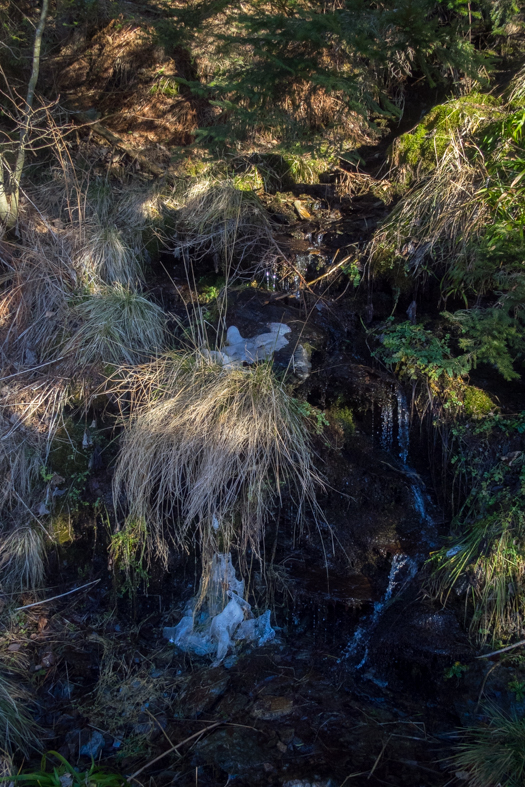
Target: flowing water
x,y
395,422
402,570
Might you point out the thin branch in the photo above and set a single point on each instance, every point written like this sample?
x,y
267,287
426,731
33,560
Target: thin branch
x,y
503,650
53,598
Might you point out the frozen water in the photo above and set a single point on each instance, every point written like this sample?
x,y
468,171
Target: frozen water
x,y
239,350
224,619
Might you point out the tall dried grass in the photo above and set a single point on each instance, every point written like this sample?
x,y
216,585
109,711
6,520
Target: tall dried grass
x,y
489,559
23,556
207,452
225,222
439,217
106,255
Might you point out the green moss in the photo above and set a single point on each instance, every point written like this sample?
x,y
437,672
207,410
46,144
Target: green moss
x,y
250,180
306,169
67,456
477,403
344,418
417,152
62,527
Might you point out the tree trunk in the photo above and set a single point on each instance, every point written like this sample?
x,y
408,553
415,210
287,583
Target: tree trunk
x,y
10,195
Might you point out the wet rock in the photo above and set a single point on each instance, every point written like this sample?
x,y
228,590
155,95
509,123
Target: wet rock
x,y
271,708
301,363
415,643
203,691
307,783
93,746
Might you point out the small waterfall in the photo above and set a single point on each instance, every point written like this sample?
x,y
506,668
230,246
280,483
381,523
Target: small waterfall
x,y
387,424
403,425
402,570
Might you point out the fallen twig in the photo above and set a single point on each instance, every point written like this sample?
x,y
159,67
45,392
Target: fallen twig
x,y
173,748
502,650
45,601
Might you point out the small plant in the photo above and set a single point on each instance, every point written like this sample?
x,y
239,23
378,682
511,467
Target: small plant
x,y
517,687
65,775
313,414
457,670
127,553
494,752
344,418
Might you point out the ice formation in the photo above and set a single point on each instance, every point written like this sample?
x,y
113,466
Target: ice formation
x,y
224,618
237,350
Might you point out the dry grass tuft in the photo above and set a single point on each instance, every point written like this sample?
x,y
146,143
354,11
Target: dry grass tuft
x,y
208,452
115,326
22,453
22,558
106,255
221,220
38,281
17,728
487,564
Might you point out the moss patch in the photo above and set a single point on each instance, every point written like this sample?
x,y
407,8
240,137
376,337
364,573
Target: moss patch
x,y
417,152
477,403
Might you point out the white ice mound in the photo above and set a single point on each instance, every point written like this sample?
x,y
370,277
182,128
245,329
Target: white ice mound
x,y
224,618
237,350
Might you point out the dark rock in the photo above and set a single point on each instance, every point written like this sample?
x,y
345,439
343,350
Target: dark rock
x,y
203,691
235,750
93,745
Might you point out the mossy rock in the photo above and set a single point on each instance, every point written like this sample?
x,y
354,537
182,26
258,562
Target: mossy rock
x,y
417,152
275,172
477,403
